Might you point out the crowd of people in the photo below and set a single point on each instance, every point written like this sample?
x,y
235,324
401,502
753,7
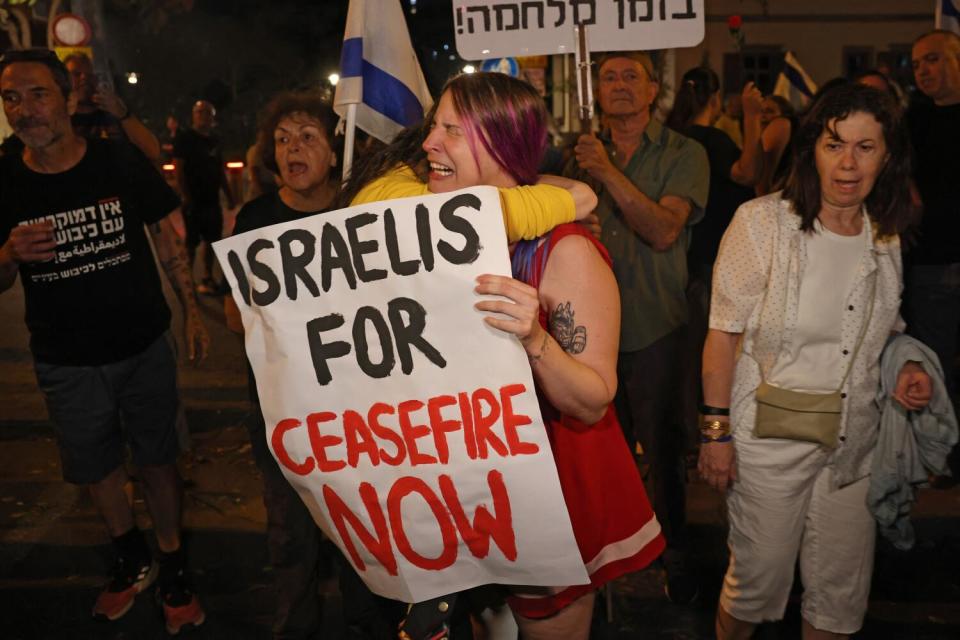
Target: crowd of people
x,y
733,273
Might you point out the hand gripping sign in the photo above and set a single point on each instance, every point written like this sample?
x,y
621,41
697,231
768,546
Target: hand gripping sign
x,y
504,28
408,426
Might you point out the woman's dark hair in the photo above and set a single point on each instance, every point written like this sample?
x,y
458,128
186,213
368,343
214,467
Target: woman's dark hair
x,y
311,104
696,88
888,203
405,148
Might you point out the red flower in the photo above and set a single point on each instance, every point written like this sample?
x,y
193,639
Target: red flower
x,y
734,22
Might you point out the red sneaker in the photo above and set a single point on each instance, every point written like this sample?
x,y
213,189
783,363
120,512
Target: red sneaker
x,y
181,607
128,578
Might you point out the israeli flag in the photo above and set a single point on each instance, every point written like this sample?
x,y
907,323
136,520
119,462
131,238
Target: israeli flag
x,y
793,83
379,71
948,15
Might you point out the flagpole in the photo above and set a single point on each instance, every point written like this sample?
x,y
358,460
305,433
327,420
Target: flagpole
x,y
348,138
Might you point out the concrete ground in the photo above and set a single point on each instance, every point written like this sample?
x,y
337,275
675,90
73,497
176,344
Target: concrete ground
x,y
54,551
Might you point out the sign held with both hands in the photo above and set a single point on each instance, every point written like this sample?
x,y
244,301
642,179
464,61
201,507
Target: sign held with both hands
x,y
409,427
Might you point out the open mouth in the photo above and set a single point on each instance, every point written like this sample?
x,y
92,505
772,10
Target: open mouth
x,y
847,185
440,169
296,168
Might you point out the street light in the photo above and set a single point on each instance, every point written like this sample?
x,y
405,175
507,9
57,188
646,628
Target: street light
x,y
133,78
333,79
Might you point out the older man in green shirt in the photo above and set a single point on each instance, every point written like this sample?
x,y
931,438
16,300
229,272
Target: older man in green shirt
x,y
653,186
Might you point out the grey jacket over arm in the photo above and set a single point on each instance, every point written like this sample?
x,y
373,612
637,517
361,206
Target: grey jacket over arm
x,y
911,444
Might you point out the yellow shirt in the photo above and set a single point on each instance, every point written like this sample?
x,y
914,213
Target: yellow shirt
x,y
528,212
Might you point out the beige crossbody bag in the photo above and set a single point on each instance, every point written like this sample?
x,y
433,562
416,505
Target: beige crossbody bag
x,y
798,415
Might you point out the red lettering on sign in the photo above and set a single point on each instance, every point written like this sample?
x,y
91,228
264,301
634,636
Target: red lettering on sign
x,y
359,439
469,435
511,421
441,427
448,534
413,432
280,450
319,443
485,526
483,422
378,544
385,433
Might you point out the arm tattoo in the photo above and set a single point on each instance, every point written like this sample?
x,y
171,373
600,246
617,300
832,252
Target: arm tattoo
x,y
174,261
571,337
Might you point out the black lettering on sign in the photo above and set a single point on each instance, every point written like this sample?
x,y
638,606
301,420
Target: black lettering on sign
x,y
334,255
410,332
242,283
374,317
321,352
295,265
425,237
452,222
358,248
397,265
264,272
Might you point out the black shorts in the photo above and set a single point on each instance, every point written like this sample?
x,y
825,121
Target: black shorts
x,y
203,222
94,409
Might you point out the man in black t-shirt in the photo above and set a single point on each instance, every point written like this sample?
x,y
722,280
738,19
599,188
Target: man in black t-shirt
x,y
72,216
201,177
102,114
932,283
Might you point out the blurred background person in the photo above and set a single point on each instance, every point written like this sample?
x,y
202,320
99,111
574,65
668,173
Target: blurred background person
x,y
779,123
102,114
730,120
201,176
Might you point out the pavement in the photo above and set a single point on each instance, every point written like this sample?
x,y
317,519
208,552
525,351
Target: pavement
x,y
54,551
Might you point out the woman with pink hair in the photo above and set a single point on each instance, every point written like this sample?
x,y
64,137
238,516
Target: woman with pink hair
x,y
563,306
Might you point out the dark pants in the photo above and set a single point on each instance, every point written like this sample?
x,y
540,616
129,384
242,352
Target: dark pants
x,y
293,544
650,404
932,311
203,221
294,547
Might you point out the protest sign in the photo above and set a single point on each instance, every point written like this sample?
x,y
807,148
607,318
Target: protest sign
x,y
498,28
408,426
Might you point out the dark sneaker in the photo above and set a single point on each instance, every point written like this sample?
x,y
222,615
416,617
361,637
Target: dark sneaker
x,y
128,578
181,607
681,586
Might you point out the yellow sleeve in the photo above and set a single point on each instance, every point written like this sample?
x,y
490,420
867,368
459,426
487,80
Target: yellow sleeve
x,y
400,182
529,212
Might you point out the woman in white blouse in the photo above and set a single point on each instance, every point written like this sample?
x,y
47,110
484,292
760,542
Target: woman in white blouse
x,y
806,292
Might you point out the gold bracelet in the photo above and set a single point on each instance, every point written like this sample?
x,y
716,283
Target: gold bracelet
x,y
710,428
543,349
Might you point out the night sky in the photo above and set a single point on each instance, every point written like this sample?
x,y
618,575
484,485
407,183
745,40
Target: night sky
x,y
238,53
